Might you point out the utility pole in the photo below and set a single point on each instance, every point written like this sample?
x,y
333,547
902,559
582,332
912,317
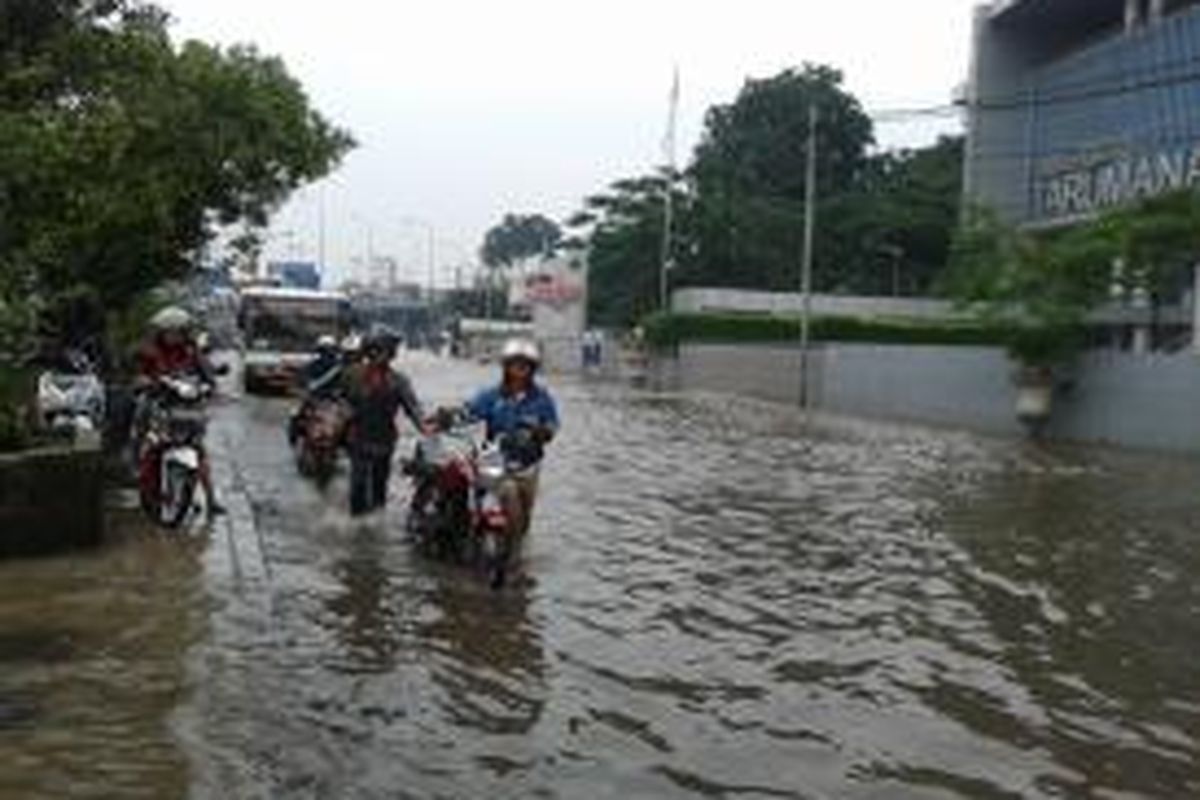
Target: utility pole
x,y
806,266
432,234
322,238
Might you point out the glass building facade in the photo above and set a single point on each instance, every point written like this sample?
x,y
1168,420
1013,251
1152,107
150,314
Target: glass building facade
x,y
1080,105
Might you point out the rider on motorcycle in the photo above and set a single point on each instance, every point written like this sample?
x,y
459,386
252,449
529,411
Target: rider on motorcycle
x,y
170,351
320,379
376,393
523,415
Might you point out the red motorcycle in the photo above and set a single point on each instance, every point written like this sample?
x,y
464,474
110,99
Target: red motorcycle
x,y
456,513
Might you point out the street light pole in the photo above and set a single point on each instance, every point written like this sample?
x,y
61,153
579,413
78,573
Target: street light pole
x,y
806,266
322,238
431,251
432,262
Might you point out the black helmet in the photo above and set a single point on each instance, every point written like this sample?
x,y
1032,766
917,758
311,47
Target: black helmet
x,y
382,340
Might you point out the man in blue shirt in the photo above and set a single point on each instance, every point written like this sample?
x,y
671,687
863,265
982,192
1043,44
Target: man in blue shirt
x,y
522,415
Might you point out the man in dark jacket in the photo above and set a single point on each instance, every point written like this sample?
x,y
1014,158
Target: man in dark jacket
x,y
376,394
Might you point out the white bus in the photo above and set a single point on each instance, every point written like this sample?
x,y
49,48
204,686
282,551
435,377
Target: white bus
x,y
280,328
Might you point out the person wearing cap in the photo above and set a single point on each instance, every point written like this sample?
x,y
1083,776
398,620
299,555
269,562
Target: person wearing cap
x,y
376,394
519,409
172,350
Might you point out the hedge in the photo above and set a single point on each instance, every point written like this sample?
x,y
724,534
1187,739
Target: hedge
x,y
671,330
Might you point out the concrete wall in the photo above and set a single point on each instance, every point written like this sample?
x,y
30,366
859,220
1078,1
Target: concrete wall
x,y
742,301
1148,402
961,387
51,500
699,301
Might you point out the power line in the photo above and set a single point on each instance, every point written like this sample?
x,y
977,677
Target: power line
x,y
1152,76
901,115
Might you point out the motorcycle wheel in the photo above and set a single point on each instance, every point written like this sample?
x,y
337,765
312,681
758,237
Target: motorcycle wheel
x,y
149,483
323,466
180,491
452,529
304,459
495,552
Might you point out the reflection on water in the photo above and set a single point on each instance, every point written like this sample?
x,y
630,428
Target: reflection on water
x,y
363,607
724,603
91,671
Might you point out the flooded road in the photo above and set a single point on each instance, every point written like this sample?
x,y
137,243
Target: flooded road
x,y
723,604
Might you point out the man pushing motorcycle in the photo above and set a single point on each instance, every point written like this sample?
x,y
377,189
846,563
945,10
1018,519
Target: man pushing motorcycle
x,y
376,393
521,415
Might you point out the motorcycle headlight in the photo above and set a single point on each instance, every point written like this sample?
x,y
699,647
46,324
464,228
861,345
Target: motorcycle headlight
x,y
492,472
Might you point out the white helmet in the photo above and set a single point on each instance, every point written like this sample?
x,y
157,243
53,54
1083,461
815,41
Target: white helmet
x,y
523,350
327,342
171,318
352,343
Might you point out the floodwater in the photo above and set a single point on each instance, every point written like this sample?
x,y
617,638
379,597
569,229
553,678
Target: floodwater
x,y
721,603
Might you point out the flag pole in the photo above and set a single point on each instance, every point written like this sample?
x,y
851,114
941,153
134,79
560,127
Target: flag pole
x,y
669,147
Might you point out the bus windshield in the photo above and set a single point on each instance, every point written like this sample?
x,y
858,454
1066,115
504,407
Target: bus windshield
x,y
292,324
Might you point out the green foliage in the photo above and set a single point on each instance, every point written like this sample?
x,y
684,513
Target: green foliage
x,y
749,177
519,237
886,222
1157,240
623,228
757,145
1042,284
891,233
122,153
1046,283
670,330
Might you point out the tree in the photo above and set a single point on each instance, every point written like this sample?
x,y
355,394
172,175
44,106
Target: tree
x,y
519,237
622,232
740,205
892,231
122,154
749,175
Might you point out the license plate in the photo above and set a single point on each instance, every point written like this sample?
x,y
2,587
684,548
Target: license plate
x,y
188,416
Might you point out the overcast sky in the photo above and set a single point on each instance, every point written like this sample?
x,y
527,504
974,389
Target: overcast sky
x,y
467,109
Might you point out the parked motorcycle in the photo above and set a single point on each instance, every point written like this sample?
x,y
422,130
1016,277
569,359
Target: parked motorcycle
x,y
321,434
71,397
171,447
457,514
